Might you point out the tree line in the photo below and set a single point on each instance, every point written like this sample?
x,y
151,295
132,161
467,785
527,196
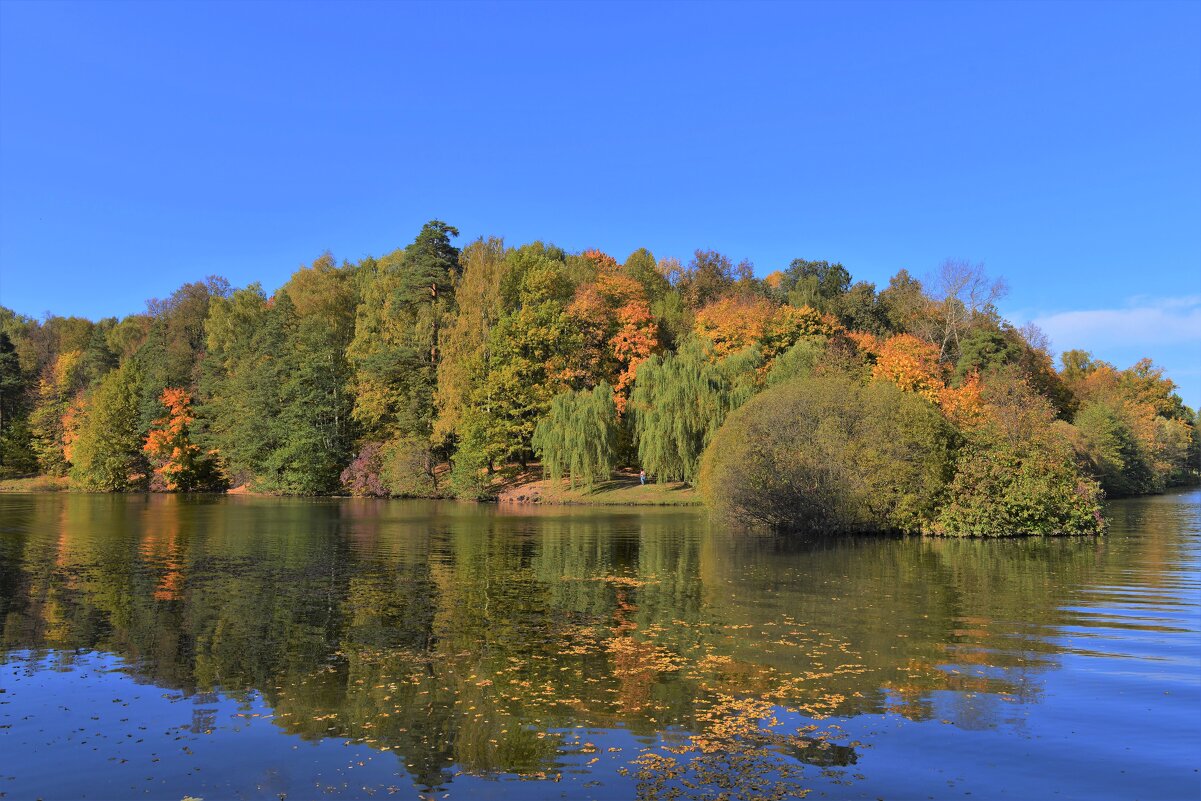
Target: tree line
x,y
801,399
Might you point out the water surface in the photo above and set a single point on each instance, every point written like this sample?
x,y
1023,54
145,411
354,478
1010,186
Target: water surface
x,y
234,647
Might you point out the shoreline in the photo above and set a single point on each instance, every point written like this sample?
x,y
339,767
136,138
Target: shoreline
x,y
526,490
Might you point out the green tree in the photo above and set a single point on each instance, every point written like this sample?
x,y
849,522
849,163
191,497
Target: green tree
x,y
16,450
578,436
709,276
679,402
407,298
815,283
531,354
1112,452
642,267
107,453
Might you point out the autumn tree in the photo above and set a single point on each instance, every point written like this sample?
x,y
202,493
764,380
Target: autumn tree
x,y
60,384
1137,436
464,355
616,323
178,463
912,364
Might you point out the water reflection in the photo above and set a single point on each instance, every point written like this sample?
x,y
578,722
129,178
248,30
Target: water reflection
x,y
475,641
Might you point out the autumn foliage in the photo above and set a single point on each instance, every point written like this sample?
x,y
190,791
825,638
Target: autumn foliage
x,y
620,330
178,463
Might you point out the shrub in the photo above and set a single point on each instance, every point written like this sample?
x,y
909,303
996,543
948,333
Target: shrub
x,y
362,475
1017,473
407,468
828,454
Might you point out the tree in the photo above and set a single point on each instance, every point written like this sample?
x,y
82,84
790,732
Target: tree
x,y
314,425
394,352
531,354
709,276
275,405
861,309
905,305
16,453
912,364
578,436
642,267
406,470
178,463
240,390
964,292
479,306
107,453
679,402
60,384
815,283
619,331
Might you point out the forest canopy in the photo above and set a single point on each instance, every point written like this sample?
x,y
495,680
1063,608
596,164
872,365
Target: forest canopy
x,y
801,400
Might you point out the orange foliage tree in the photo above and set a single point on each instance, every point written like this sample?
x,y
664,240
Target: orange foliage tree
x,y
733,323
70,422
912,364
619,329
178,462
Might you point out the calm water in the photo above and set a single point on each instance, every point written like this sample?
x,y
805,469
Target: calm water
x,y
232,647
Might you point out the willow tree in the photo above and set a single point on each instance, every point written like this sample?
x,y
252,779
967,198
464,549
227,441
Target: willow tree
x,y
679,402
578,436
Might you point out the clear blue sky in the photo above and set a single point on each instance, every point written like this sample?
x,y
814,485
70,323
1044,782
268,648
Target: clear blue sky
x,y
145,145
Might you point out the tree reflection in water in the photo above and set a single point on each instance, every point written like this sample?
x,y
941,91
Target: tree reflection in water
x,y
471,639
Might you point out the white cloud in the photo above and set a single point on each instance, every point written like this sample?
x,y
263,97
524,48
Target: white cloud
x,y
1146,321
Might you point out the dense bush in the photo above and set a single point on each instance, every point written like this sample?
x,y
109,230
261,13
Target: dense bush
x,y
1000,490
1018,473
362,475
829,454
407,468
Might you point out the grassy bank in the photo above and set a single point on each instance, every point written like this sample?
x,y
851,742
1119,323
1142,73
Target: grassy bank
x,y
622,490
526,487
35,484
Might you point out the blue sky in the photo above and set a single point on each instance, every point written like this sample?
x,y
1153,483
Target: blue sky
x,y
145,145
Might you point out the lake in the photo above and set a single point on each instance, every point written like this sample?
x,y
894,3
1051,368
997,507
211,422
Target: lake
x,y
240,647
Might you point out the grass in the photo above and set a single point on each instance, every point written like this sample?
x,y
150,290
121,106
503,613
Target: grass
x,y
35,484
623,489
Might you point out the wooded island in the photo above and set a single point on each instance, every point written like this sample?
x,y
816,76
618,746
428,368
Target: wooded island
x,y
800,400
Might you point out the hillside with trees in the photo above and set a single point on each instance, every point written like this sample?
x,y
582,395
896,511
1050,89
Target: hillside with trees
x,y
801,400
